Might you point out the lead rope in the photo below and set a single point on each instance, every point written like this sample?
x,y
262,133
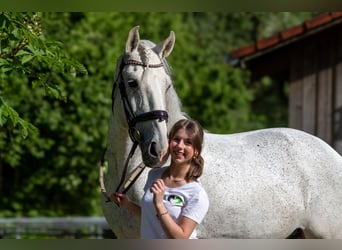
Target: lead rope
x,y
124,171
131,180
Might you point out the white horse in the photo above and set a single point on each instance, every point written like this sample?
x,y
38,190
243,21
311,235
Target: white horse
x,y
261,184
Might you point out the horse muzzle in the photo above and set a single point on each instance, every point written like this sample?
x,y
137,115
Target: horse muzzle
x,y
154,154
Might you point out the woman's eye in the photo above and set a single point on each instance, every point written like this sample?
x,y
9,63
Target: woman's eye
x,y
175,139
188,143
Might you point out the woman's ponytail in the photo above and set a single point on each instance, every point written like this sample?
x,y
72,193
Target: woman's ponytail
x,y
196,168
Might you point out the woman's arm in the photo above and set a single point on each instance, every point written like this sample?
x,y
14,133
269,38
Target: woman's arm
x,y
183,229
124,201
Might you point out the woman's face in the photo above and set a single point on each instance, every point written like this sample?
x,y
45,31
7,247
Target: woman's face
x,y
181,147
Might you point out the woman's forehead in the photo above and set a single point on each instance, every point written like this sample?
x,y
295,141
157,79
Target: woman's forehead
x,y
182,132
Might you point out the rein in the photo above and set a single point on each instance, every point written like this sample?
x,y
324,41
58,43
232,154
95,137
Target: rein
x,y
134,133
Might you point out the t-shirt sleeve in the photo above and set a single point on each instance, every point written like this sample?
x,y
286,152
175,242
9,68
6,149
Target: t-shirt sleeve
x,y
152,175
197,207
147,184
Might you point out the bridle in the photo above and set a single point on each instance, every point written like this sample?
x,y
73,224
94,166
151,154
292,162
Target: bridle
x,y
133,119
134,133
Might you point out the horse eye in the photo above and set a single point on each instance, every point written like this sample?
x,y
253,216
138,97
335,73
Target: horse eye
x,y
132,83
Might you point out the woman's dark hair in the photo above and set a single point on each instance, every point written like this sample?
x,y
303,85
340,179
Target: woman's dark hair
x,y
195,132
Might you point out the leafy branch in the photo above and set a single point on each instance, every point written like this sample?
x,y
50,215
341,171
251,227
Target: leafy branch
x,y
25,51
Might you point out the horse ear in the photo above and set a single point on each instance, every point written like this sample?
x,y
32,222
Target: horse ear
x,y
164,48
132,40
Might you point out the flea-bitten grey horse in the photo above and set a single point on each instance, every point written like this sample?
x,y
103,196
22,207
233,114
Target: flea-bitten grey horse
x,y
261,184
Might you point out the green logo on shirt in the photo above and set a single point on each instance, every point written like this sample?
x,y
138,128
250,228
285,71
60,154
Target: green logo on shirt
x,y
175,200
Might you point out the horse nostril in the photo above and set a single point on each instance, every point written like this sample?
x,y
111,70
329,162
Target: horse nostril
x,y
153,150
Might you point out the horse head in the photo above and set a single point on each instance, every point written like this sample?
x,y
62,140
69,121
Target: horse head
x,y
143,77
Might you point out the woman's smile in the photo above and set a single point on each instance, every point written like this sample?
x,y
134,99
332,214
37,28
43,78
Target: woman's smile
x,y
179,154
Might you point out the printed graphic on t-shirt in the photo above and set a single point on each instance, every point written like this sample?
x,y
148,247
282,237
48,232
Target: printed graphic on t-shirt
x,y
175,200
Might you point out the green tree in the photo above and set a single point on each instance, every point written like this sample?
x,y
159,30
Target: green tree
x,y
32,69
25,52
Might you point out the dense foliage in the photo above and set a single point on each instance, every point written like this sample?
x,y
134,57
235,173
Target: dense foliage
x,y
56,74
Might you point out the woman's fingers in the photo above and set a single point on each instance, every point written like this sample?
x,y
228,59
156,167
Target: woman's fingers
x,y
158,186
116,197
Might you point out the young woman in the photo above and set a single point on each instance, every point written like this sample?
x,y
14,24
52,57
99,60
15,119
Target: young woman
x,y
174,201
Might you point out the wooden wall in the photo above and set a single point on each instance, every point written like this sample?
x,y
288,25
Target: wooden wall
x,y
337,125
312,64
315,98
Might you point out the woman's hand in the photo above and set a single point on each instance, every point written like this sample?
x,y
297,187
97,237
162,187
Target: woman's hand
x,y
123,201
120,199
158,190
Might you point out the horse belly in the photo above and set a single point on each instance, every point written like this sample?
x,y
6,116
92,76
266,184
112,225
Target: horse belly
x,y
254,192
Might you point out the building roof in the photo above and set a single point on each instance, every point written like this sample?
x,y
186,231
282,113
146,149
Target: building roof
x,y
287,36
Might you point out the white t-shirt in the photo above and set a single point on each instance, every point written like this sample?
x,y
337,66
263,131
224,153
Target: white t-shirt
x,y
189,200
